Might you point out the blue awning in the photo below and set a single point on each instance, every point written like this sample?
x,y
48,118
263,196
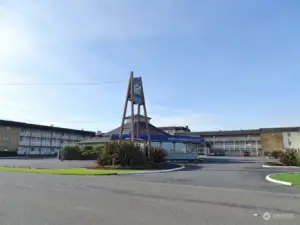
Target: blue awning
x,y
162,138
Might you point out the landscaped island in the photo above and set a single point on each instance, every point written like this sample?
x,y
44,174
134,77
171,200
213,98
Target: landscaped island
x,y
112,158
122,154
293,178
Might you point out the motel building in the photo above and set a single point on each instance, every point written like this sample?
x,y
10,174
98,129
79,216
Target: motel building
x,y
173,144
175,140
257,142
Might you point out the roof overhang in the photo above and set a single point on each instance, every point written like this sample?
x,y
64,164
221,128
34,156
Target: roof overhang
x,y
162,138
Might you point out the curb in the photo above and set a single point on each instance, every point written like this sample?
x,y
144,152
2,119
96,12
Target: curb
x,y
154,171
283,167
268,178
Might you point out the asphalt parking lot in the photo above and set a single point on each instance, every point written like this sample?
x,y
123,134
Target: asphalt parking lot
x,y
224,190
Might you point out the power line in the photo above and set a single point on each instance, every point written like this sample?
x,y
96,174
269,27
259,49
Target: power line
x,y
63,84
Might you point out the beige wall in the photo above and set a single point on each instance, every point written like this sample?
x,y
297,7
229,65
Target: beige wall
x,y
271,141
291,139
9,138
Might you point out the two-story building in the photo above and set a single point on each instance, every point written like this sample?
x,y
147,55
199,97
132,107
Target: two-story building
x,y
256,141
32,139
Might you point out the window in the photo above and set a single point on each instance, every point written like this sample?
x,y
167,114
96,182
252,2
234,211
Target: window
x,y
191,147
288,134
290,143
6,138
155,144
180,147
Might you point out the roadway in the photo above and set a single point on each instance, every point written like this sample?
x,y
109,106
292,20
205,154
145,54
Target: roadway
x,y
222,190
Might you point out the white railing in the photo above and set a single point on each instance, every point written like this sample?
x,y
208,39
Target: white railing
x,y
25,142
26,134
36,134
65,137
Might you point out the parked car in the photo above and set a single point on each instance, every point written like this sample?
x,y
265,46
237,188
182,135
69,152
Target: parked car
x,y
220,153
217,152
245,153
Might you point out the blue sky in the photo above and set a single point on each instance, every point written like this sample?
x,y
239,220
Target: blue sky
x,y
207,64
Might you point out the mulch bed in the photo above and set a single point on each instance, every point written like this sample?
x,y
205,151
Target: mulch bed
x,y
275,164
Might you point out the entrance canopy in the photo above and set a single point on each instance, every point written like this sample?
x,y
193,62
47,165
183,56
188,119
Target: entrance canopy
x,y
162,138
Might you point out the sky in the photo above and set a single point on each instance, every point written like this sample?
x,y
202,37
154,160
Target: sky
x,y
211,65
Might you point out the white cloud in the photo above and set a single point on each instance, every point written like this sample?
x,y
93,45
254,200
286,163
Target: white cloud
x,y
165,116
195,121
45,41
279,120
16,39
14,110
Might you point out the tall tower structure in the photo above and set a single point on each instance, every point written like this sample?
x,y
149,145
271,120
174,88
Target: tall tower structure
x,y
136,97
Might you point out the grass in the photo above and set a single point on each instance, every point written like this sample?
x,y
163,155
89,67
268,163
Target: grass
x,y
118,167
293,178
150,167
65,171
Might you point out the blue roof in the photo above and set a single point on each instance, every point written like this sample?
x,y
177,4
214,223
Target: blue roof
x,y
162,138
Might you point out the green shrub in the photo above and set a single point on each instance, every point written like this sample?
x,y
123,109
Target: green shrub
x,y
107,154
125,154
122,154
90,152
70,153
131,155
157,154
8,153
277,154
298,160
77,153
290,158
